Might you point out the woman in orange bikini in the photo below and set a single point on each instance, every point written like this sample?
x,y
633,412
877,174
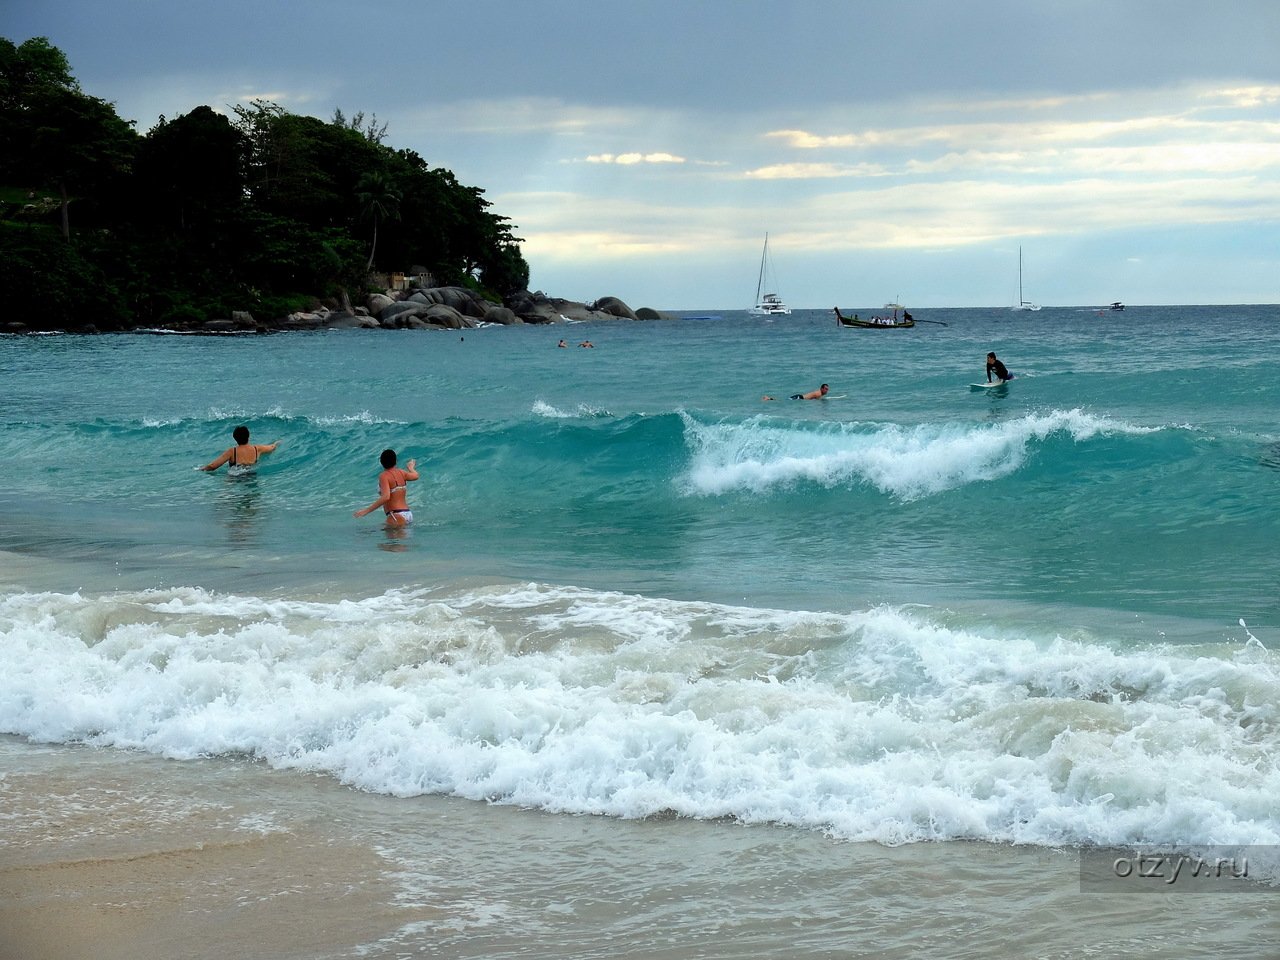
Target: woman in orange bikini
x,y
391,491
243,455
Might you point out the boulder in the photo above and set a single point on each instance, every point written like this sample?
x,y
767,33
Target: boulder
x,y
443,315
648,313
377,302
615,308
394,314
457,297
502,315
572,310
243,319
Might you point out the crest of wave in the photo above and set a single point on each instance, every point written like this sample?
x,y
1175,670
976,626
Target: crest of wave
x,y
906,462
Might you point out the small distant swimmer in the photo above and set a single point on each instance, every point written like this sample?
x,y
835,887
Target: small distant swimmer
x,y
244,453
811,395
562,344
392,491
587,343
994,366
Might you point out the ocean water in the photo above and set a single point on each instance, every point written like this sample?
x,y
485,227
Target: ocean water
x,y
1043,616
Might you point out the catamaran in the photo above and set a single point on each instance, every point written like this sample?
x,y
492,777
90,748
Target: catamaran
x,y
767,304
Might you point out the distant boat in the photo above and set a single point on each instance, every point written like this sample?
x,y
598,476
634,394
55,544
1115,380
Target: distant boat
x,y
1023,304
767,304
875,323
1117,305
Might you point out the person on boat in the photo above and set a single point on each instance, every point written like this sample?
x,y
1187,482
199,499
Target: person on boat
x,y
243,455
392,489
906,316
999,369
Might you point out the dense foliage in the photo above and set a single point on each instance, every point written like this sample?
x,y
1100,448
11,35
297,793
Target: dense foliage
x,y
204,214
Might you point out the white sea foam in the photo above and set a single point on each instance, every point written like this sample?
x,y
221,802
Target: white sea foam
x,y
541,408
877,724
363,417
906,462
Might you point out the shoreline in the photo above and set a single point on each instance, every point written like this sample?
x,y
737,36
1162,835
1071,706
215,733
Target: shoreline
x,y
113,854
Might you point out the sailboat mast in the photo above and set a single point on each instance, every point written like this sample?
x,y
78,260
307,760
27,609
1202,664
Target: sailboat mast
x,y
1020,300
763,254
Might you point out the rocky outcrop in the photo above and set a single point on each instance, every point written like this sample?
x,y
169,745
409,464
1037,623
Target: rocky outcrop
x,y
426,308
539,308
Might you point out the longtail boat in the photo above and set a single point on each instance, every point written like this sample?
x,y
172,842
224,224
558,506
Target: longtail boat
x,y
875,323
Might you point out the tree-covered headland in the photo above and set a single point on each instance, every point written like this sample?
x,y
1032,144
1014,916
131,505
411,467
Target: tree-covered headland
x,y
258,210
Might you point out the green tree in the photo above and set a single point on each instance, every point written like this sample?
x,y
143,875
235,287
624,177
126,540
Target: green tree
x,y
189,171
57,137
379,200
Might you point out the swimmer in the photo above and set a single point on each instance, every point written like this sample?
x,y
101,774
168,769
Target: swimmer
x,y
243,454
391,491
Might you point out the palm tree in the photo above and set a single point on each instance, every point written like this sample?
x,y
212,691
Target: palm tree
x,y
379,200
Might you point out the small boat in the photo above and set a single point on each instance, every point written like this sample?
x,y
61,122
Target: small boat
x,y
1023,304
1117,305
767,304
876,323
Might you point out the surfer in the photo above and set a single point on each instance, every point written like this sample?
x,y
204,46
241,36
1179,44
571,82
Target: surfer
x,y
998,368
243,454
392,487
811,395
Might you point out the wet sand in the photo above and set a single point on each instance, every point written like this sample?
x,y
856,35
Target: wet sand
x,y
109,854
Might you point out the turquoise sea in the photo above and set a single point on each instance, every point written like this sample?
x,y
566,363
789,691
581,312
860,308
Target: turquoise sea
x,y
1043,617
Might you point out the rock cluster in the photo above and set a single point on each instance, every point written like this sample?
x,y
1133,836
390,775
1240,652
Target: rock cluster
x,y
423,308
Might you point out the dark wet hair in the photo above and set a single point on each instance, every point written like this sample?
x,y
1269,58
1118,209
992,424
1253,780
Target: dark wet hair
x,y
240,434
992,355
388,459
824,385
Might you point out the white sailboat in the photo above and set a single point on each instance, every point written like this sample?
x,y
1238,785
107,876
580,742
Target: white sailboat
x,y
767,304
1022,304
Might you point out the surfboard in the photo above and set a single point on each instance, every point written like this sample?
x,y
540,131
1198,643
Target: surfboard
x,y
988,386
835,396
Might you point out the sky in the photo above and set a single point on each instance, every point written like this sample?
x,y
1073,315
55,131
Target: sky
x,y
899,150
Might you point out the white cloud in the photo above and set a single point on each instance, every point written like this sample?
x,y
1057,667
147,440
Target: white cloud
x,y
630,159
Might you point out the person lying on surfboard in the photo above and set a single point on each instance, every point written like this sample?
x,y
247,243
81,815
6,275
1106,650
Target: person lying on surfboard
x,y
998,368
811,395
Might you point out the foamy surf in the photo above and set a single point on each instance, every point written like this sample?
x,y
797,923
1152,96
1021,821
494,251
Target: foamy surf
x,y
880,724
904,462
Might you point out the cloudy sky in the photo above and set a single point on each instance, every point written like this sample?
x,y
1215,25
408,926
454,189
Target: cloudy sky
x,y
900,149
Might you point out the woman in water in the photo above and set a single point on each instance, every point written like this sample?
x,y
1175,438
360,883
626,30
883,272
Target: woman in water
x,y
391,491
244,454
